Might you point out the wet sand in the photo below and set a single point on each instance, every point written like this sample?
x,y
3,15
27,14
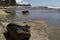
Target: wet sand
x,y
53,32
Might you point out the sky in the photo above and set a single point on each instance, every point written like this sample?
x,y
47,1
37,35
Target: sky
x,y
40,2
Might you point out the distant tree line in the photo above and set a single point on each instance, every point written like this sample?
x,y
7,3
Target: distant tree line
x,y
23,4
7,2
11,3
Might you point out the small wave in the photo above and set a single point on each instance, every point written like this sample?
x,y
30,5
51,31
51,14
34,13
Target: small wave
x,y
54,7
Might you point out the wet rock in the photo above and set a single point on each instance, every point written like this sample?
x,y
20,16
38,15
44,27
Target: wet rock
x,y
19,32
25,12
10,11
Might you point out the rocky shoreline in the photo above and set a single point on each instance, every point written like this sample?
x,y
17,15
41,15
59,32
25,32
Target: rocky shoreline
x,y
38,27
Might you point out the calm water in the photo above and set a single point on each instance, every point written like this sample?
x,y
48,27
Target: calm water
x,y
52,17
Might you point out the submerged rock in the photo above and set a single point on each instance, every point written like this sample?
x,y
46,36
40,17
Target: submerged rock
x,y
25,12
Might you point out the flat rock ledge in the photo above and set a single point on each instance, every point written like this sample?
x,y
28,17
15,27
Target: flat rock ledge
x,y
37,28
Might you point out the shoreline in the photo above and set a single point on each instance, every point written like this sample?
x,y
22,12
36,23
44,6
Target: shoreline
x,y
35,28
52,31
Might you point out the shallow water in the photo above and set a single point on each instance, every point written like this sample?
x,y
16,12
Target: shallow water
x,y
50,16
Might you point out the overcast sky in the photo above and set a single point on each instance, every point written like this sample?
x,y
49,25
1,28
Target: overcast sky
x,y
40,2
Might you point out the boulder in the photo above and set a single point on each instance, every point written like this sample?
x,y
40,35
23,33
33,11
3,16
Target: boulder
x,y
19,32
25,12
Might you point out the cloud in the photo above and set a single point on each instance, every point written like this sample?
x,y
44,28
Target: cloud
x,y
24,3
21,2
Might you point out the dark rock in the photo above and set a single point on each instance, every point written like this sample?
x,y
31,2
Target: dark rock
x,y
19,32
24,12
12,12
7,11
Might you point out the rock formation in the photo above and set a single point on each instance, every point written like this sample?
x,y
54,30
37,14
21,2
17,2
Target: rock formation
x,y
37,29
19,32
